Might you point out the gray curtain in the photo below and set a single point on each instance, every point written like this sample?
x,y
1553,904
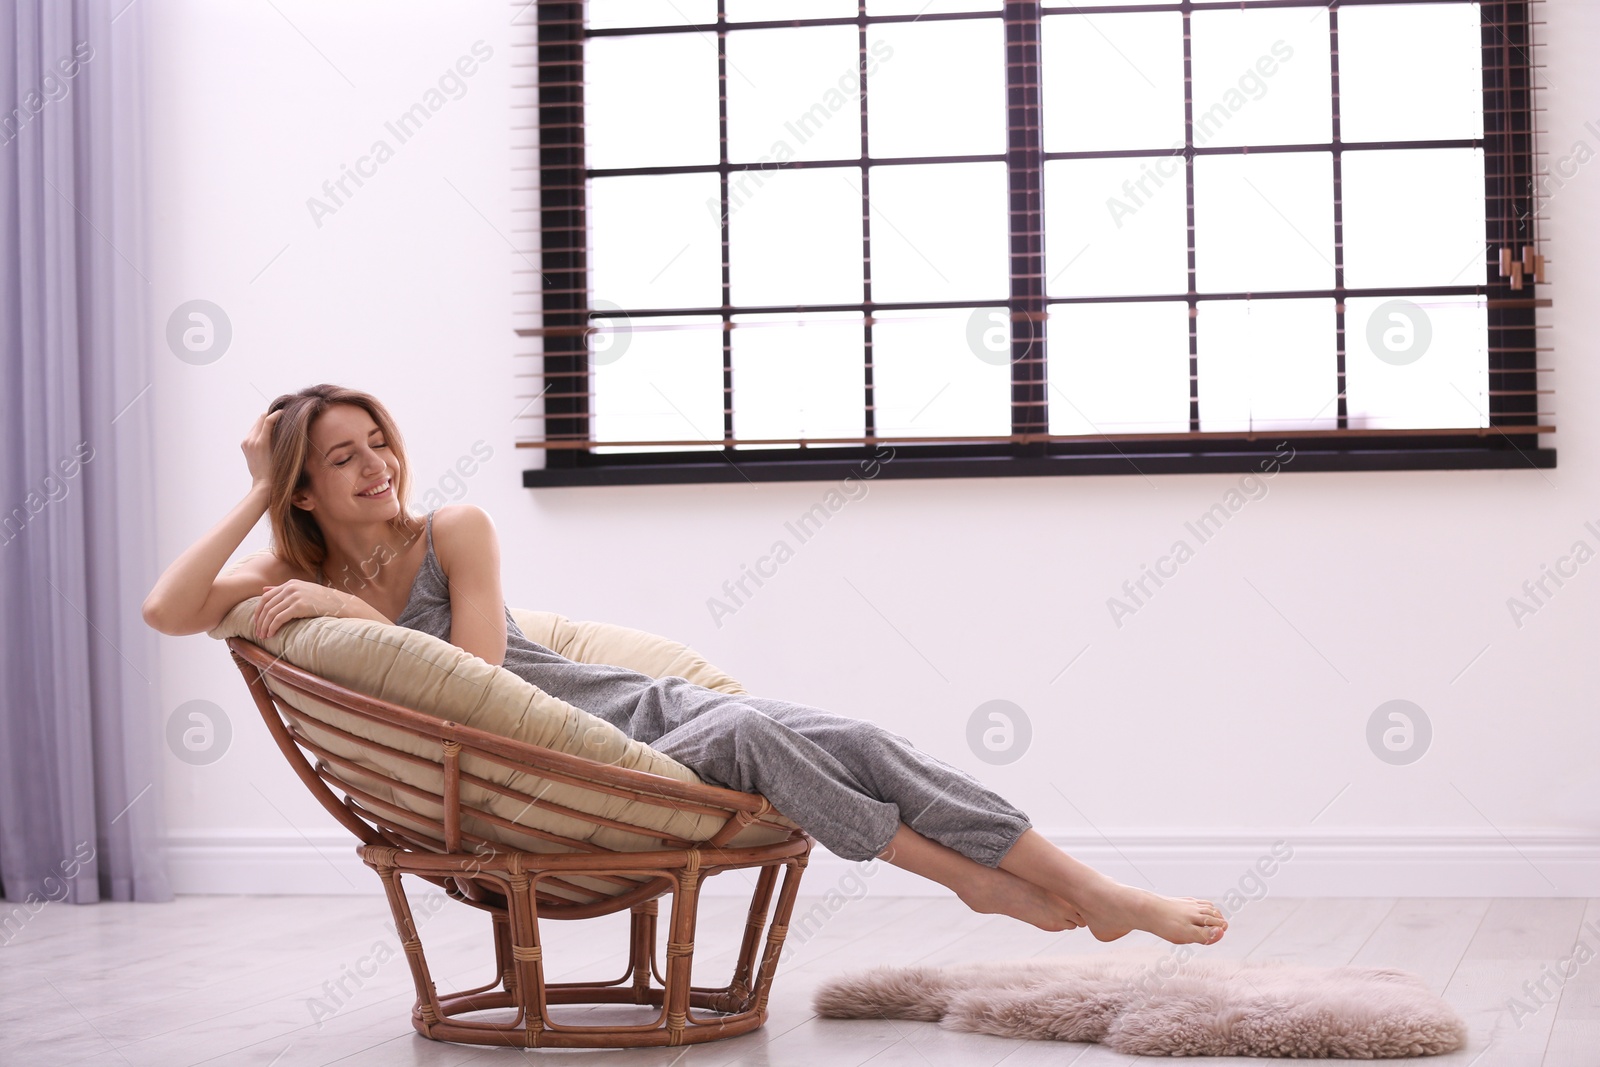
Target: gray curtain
x,y
80,731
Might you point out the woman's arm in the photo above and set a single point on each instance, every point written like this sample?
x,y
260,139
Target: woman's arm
x,y
468,550
189,597
300,599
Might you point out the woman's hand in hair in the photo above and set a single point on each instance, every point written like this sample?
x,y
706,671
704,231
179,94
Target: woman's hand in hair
x,y
257,448
299,599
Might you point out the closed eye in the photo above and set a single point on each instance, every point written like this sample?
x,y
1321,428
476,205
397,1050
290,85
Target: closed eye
x,y
347,459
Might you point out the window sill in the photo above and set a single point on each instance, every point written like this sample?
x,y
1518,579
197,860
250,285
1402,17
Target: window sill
x,y
1468,452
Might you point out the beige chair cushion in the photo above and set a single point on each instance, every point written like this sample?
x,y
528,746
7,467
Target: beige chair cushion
x,y
604,642
418,671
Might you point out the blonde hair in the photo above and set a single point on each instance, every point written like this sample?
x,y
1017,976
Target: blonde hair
x,y
296,535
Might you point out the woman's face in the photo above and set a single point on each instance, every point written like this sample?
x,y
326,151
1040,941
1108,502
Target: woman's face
x,y
349,456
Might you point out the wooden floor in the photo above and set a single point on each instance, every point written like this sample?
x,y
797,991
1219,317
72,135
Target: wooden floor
x,y
286,981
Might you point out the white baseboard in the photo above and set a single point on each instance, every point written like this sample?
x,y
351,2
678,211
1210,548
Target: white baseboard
x,y
1334,863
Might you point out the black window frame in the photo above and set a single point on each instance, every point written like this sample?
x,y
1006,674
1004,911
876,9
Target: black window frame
x,y
1513,438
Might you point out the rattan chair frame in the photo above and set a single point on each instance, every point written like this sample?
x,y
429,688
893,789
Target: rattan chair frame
x,y
513,886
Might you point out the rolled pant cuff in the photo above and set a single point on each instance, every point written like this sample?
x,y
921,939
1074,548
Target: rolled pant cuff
x,y
990,848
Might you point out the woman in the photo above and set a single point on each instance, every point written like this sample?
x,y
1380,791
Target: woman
x,y
329,470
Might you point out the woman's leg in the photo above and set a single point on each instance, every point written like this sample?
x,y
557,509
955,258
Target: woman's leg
x,y
732,744
1109,908
863,792
939,801
850,783
983,889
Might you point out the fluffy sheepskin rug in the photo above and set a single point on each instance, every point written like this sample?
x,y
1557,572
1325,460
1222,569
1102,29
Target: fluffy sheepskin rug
x,y
1150,1004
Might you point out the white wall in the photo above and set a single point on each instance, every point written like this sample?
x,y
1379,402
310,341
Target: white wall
x,y
1231,711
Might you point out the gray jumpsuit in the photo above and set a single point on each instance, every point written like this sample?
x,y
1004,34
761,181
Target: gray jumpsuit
x,y
847,782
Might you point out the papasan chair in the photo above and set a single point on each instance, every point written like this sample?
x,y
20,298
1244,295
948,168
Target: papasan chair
x,y
459,772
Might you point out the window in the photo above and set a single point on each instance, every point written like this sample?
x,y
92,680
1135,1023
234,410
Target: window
x,y
1022,239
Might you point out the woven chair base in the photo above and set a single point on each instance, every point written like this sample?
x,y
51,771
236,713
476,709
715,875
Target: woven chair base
x,y
511,897
399,840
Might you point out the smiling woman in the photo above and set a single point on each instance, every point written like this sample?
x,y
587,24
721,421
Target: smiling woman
x,y
330,471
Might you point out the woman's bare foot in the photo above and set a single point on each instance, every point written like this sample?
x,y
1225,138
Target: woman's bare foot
x,y
1112,909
